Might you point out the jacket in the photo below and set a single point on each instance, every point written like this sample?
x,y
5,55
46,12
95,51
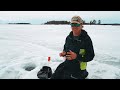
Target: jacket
x,y
83,47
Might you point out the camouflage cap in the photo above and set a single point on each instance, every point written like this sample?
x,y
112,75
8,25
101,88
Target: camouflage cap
x,y
76,19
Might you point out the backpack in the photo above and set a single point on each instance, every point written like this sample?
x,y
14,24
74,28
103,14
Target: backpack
x,y
45,73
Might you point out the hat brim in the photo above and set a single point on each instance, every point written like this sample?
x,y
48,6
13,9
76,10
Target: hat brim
x,y
75,22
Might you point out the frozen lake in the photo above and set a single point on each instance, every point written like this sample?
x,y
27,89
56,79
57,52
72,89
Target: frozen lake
x,y
22,46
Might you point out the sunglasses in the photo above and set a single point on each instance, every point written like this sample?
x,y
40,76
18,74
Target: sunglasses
x,y
75,25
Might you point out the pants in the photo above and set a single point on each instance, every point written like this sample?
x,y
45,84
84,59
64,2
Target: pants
x,y
63,72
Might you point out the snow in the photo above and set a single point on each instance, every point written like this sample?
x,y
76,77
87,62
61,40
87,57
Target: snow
x,y
24,46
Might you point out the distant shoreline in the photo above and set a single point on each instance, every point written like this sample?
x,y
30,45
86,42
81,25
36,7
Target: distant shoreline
x,y
62,24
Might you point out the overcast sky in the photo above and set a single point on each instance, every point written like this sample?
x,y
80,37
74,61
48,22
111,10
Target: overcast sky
x,y
38,17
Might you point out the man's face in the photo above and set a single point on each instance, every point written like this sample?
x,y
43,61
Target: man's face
x,y
76,27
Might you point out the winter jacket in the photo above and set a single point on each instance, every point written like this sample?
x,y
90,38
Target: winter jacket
x,y
84,42
83,47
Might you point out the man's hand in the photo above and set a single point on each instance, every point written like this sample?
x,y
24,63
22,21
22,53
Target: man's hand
x,y
71,55
62,54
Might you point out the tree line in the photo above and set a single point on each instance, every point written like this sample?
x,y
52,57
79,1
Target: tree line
x,y
19,23
68,22
57,22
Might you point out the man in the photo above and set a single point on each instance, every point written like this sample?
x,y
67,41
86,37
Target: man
x,y
78,50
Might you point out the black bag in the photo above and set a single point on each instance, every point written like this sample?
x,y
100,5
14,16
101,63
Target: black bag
x,y
45,73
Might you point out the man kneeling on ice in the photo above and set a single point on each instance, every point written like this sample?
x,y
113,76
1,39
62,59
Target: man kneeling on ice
x,y
78,50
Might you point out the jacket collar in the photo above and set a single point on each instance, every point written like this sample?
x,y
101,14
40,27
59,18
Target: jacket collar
x,y
82,35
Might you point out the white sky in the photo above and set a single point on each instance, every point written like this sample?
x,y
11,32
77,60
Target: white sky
x,y
43,16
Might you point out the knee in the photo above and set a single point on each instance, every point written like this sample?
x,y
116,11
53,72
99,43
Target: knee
x,y
84,74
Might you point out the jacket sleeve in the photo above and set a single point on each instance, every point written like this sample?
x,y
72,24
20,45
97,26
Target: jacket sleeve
x,y
89,51
64,49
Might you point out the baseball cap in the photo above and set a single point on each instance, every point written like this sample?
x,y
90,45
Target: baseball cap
x,y
76,19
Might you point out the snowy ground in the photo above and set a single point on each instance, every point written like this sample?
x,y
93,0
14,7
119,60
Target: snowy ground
x,y
24,46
